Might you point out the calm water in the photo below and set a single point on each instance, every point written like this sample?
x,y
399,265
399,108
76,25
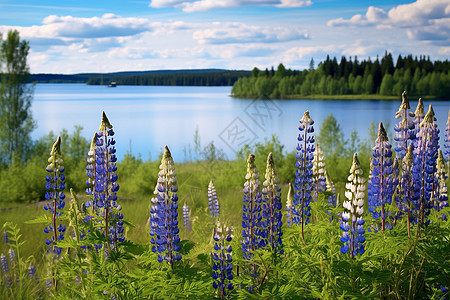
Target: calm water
x,y
145,118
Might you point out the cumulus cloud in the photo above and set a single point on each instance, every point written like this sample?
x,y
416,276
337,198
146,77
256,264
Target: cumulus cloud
x,y
229,33
202,5
427,20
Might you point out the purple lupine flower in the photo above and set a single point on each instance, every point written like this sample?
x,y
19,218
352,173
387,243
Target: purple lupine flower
x,y
319,171
352,221
4,263
252,230
440,192
272,207
163,213
289,198
381,184
404,130
12,256
425,155
5,237
186,219
55,186
32,271
213,202
303,175
447,143
222,261
102,181
419,114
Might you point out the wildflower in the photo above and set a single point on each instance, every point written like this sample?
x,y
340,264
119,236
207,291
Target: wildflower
x,y
32,271
404,130
272,206
213,201
289,206
186,221
12,256
4,263
381,183
303,175
5,237
425,155
163,213
252,211
352,221
319,171
440,192
332,189
447,142
222,261
55,192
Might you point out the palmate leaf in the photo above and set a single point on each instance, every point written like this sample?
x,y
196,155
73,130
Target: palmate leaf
x,y
42,219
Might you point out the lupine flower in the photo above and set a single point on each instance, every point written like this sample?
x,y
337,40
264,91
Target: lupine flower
x,y
303,175
289,206
4,263
12,256
419,114
331,188
425,155
222,261
319,171
213,202
32,271
404,130
447,143
252,211
440,192
352,222
272,206
5,237
163,213
55,192
102,181
381,184
186,220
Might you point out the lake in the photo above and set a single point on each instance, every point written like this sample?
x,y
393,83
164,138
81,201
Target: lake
x,y
145,118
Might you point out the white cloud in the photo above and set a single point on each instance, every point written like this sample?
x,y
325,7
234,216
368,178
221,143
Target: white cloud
x,y
227,33
427,20
202,5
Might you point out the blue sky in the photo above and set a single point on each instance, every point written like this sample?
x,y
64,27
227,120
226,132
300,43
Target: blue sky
x,y
106,36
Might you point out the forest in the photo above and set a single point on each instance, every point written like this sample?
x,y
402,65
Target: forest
x,y
380,79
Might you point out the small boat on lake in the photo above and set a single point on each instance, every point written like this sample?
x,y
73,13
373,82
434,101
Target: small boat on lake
x,y
112,84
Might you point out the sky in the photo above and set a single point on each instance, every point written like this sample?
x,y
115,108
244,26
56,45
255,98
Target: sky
x,y
70,36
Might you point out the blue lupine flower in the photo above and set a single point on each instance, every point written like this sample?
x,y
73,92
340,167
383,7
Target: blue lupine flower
x,y
404,130
5,237
319,171
352,222
222,261
440,192
252,231
4,263
102,181
213,202
55,186
425,155
32,272
381,184
419,114
289,214
186,219
12,256
163,213
272,207
303,175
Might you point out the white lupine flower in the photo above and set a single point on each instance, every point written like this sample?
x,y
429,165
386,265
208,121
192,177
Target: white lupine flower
x,y
359,210
360,202
348,195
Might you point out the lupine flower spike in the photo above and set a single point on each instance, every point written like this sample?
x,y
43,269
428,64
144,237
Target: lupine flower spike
x,y
303,175
352,222
252,214
186,217
425,155
381,183
55,192
447,143
289,205
404,130
105,187
91,172
408,191
440,192
418,116
164,213
331,188
272,206
222,261
213,202
319,171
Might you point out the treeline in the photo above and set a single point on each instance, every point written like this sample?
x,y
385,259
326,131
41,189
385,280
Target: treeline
x,y
418,76
214,78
